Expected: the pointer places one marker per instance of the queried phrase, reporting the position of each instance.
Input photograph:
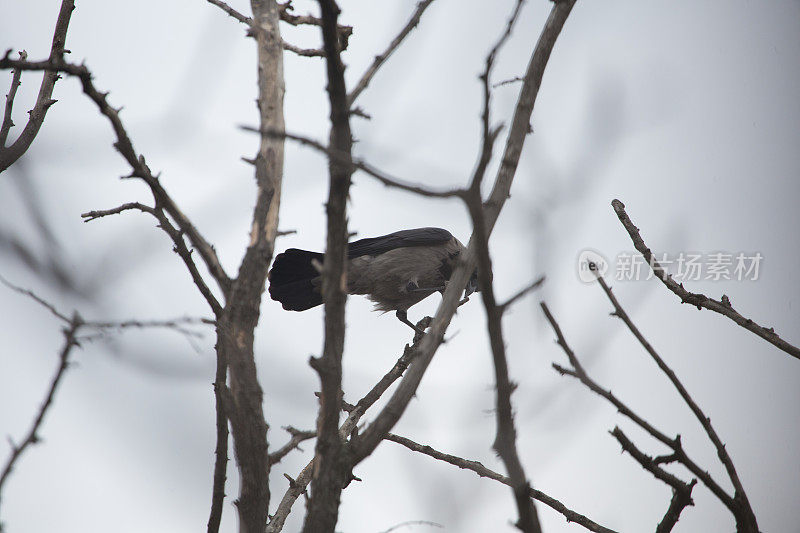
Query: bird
(395, 271)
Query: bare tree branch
(682, 492)
(9, 154)
(177, 239)
(8, 123)
(343, 32)
(396, 405)
(303, 52)
(362, 165)
(137, 162)
(298, 485)
(221, 393)
(94, 215)
(680, 500)
(298, 437)
(333, 468)
(172, 323)
(722, 307)
(47, 305)
(679, 454)
(746, 515)
(505, 438)
(482, 471)
(32, 438)
(648, 463)
(244, 402)
(520, 294)
(381, 59)
(231, 12)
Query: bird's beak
(472, 285)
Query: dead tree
(235, 300)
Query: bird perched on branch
(395, 271)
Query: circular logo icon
(591, 264)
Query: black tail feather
(290, 280)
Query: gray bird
(395, 271)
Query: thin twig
(140, 170)
(32, 438)
(344, 32)
(506, 434)
(360, 164)
(381, 58)
(298, 485)
(221, 393)
(94, 215)
(647, 462)
(9, 154)
(303, 52)
(298, 437)
(231, 12)
(8, 123)
(295, 20)
(521, 294)
(177, 238)
(740, 495)
(30, 294)
(674, 444)
(292, 19)
(682, 491)
(506, 82)
(722, 307)
(482, 471)
(171, 323)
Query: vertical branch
(32, 438)
(332, 471)
(397, 404)
(8, 123)
(520, 123)
(242, 309)
(505, 439)
(8, 155)
(221, 450)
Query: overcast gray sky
(686, 111)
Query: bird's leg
(413, 287)
(402, 316)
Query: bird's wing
(398, 239)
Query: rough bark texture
(240, 317)
(332, 470)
